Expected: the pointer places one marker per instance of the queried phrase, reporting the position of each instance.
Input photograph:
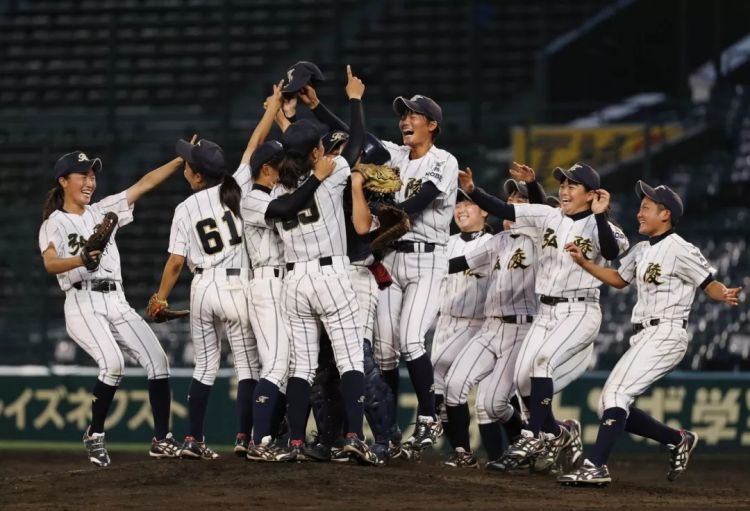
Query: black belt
(411, 246)
(100, 286)
(554, 300)
(323, 261)
(231, 272)
(638, 327)
(514, 319)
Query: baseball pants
(264, 304)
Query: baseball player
(508, 260)
(557, 348)
(418, 262)
(667, 271)
(462, 297)
(207, 234)
(97, 315)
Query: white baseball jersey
(207, 233)
(264, 245)
(668, 273)
(513, 260)
(319, 230)
(558, 275)
(244, 177)
(69, 232)
(463, 294)
(432, 225)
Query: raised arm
(152, 180)
(487, 202)
(354, 89)
(609, 276)
(721, 293)
(309, 97)
(607, 241)
(272, 106)
(361, 215)
(521, 172)
(286, 207)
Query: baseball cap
(263, 153)
(374, 151)
(579, 173)
(552, 201)
(301, 137)
(420, 104)
(333, 139)
(205, 156)
(663, 195)
(77, 161)
(299, 75)
(511, 185)
(462, 196)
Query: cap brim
(296, 84)
(462, 196)
(184, 150)
(509, 187)
(644, 190)
(561, 174)
(82, 166)
(401, 105)
(552, 201)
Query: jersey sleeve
(628, 263)
(49, 233)
(481, 258)
(244, 178)
(691, 266)
(117, 204)
(178, 234)
(254, 207)
(340, 174)
(532, 215)
(444, 173)
(622, 241)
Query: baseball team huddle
(322, 281)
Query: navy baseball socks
(353, 393)
(492, 439)
(458, 426)
(611, 427)
(102, 399)
(298, 405)
(642, 424)
(392, 377)
(423, 379)
(197, 404)
(245, 393)
(264, 402)
(160, 397)
(540, 407)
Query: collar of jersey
(262, 188)
(468, 236)
(656, 239)
(580, 215)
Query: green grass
(76, 446)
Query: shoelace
(97, 446)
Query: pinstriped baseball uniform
(266, 252)
(407, 308)
(102, 323)
(209, 236)
(490, 356)
(462, 306)
(318, 288)
(667, 271)
(562, 332)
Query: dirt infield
(64, 480)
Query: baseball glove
(159, 312)
(394, 223)
(379, 178)
(98, 241)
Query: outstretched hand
(732, 296)
(275, 100)
(354, 86)
(601, 201)
(521, 172)
(466, 180)
(308, 96)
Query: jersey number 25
(210, 237)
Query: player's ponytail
(54, 201)
(230, 194)
(292, 167)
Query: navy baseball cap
(299, 75)
(301, 137)
(579, 173)
(263, 154)
(463, 196)
(420, 104)
(552, 201)
(374, 151)
(205, 156)
(663, 195)
(77, 161)
(511, 185)
(333, 139)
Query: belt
(638, 327)
(231, 272)
(323, 261)
(413, 246)
(515, 319)
(100, 286)
(554, 300)
(266, 272)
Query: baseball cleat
(461, 459)
(546, 460)
(679, 455)
(572, 455)
(524, 448)
(359, 449)
(195, 450)
(426, 432)
(241, 444)
(507, 463)
(339, 455)
(169, 447)
(381, 452)
(316, 452)
(265, 451)
(96, 449)
(292, 452)
(588, 475)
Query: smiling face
(416, 129)
(574, 198)
(79, 187)
(653, 218)
(469, 217)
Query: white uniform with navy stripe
(407, 308)
(462, 306)
(667, 274)
(101, 322)
(560, 342)
(209, 236)
(317, 288)
(264, 292)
